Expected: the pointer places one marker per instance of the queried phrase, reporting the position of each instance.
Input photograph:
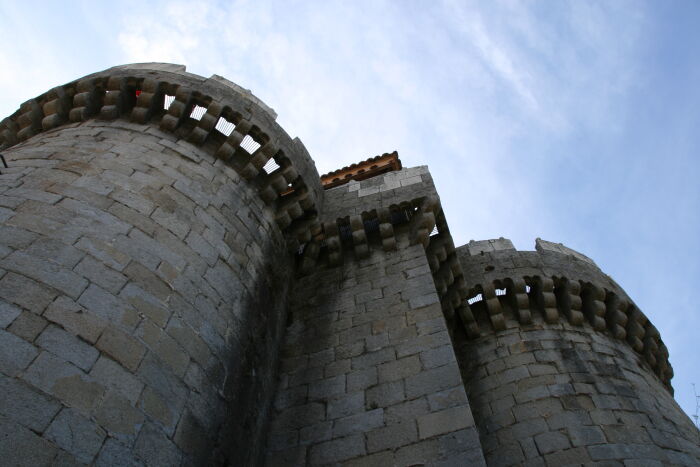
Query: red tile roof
(371, 167)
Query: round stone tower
(567, 370)
(147, 217)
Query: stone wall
(559, 394)
(566, 368)
(557, 284)
(139, 311)
(382, 191)
(369, 376)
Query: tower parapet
(557, 283)
(208, 113)
(566, 368)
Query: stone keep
(177, 288)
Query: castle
(178, 286)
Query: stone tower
(178, 286)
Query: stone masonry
(177, 288)
(368, 371)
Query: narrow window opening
(475, 298)
(198, 112)
(271, 166)
(224, 126)
(249, 144)
(434, 232)
(168, 101)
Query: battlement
(503, 244)
(209, 113)
(489, 258)
(555, 283)
(390, 190)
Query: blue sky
(576, 121)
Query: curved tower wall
(143, 271)
(567, 369)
